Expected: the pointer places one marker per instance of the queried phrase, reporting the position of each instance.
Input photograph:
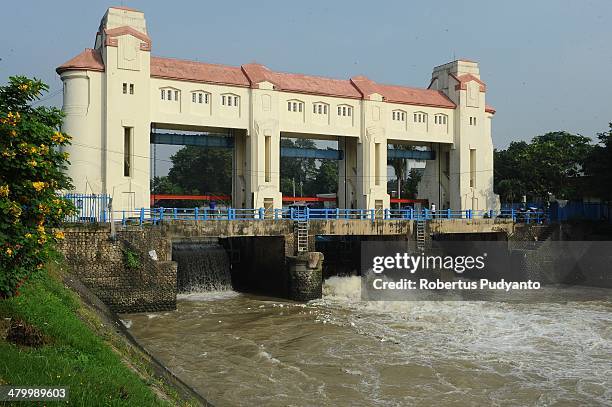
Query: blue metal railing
(89, 208)
(94, 208)
(155, 215)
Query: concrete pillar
(263, 165)
(372, 170)
(305, 276)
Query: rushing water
(201, 267)
(238, 349)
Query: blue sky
(547, 63)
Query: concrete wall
(99, 263)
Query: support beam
(411, 154)
(319, 153)
(201, 140)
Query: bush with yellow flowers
(31, 165)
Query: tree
(326, 180)
(31, 172)
(196, 170)
(400, 166)
(552, 163)
(599, 166)
(300, 170)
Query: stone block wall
(99, 262)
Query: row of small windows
(167, 94)
(420, 117)
(318, 108)
(439, 119)
(125, 88)
(400, 116)
(295, 106)
(345, 111)
(199, 97)
(229, 100)
(472, 121)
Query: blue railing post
(307, 213)
(141, 216)
(386, 213)
(426, 213)
(174, 213)
(123, 217)
(337, 213)
(448, 213)
(195, 213)
(261, 213)
(291, 213)
(231, 214)
(513, 213)
(373, 214)
(411, 213)
(204, 214)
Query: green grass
(80, 353)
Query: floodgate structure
(119, 100)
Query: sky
(546, 63)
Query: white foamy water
(342, 351)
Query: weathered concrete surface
(99, 262)
(305, 276)
(470, 226)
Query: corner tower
(461, 177)
(107, 106)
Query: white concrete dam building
(115, 92)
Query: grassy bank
(73, 348)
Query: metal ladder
(301, 231)
(420, 234)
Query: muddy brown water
(242, 350)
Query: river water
(242, 350)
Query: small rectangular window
(235, 100)
(289, 106)
(393, 115)
(193, 97)
(300, 107)
(131, 88)
(163, 94)
(206, 98)
(124, 88)
(200, 97)
(324, 109)
(320, 109)
(127, 151)
(176, 93)
(314, 109)
(339, 111)
(223, 100)
(403, 116)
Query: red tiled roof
(89, 60)
(489, 109)
(468, 77)
(170, 68)
(250, 75)
(298, 83)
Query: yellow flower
(4, 190)
(9, 251)
(13, 133)
(28, 235)
(38, 185)
(59, 234)
(58, 137)
(41, 229)
(24, 87)
(33, 150)
(32, 163)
